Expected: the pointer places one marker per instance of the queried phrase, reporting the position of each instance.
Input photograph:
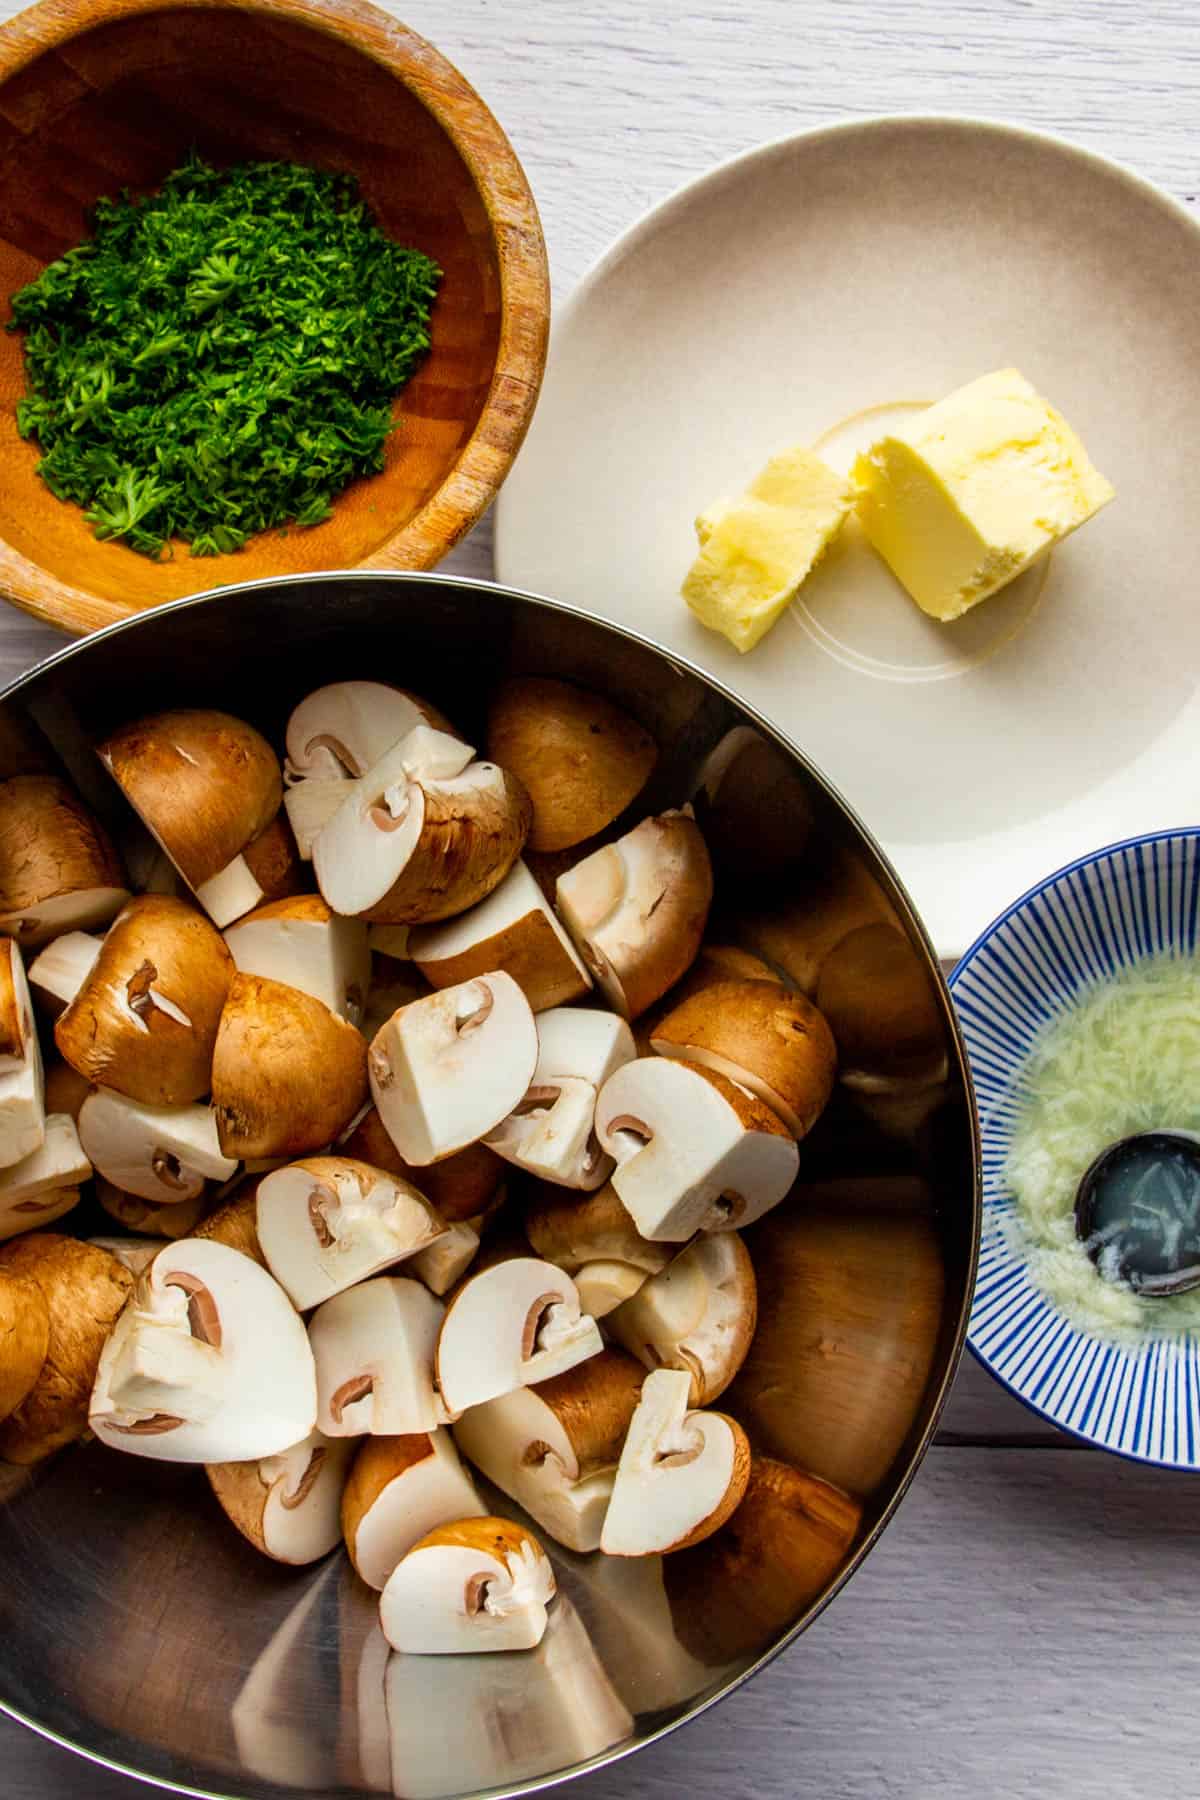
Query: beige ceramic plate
(809, 292)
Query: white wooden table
(1029, 1624)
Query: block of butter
(974, 490)
(757, 549)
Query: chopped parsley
(220, 358)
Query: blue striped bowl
(1091, 919)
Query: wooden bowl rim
(475, 477)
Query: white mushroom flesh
(605, 1285)
(341, 730)
(84, 910)
(693, 1314)
(163, 1154)
(327, 958)
(42, 1186)
(514, 1324)
(675, 1470)
(325, 1224)
(521, 1446)
(445, 1070)
(685, 1160)
(229, 893)
(446, 1599)
(552, 1131)
(431, 1492)
(374, 1348)
(309, 806)
(302, 1516)
(444, 1262)
(22, 1105)
(59, 971)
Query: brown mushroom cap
(837, 894)
(274, 860)
(469, 841)
(84, 1289)
(757, 1033)
(117, 1034)
(880, 1002)
(461, 1186)
(582, 759)
(849, 1309)
(143, 1216)
(287, 1074)
(24, 1338)
(15, 1022)
(205, 783)
(260, 1498)
(236, 1222)
(594, 1402)
(570, 1230)
(51, 847)
(732, 1595)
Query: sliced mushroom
(514, 929)
(45, 1184)
(418, 839)
(513, 1324)
(680, 1476)
(460, 1186)
(133, 1253)
(287, 1074)
(554, 1448)
(24, 1338)
(65, 1089)
(597, 1243)
(698, 1315)
(732, 1596)
(694, 1151)
(330, 1221)
(766, 1039)
(209, 1362)
(637, 909)
(374, 1347)
(58, 871)
(273, 861)
(206, 786)
(551, 1132)
(755, 807)
(22, 1102)
(301, 943)
(84, 1289)
(399, 1489)
(477, 1584)
(444, 1071)
(163, 1154)
(235, 1223)
(442, 1264)
(16, 1021)
(288, 1505)
(309, 807)
(144, 1021)
(582, 759)
(57, 973)
(146, 1216)
(340, 731)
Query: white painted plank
(1026, 1628)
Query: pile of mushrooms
(435, 1176)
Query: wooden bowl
(96, 95)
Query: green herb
(220, 358)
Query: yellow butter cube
(757, 549)
(974, 490)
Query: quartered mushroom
(335, 735)
(554, 1448)
(731, 1596)
(596, 1242)
(330, 1221)
(398, 1489)
(288, 1505)
(133, 1253)
(136, 1214)
(287, 1073)
(637, 909)
(45, 1184)
(162, 1154)
(209, 1362)
(84, 1289)
(144, 1019)
(444, 1071)
(444, 1262)
(58, 870)
(57, 972)
(424, 834)
(698, 1314)
(274, 862)
(205, 785)
(476, 1584)
(514, 929)
(582, 759)
(22, 1091)
(681, 1472)
(25, 1335)
(694, 1151)
(461, 1186)
(374, 1348)
(767, 1039)
(301, 942)
(510, 1325)
(551, 1132)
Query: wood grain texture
(99, 94)
(1028, 1591)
